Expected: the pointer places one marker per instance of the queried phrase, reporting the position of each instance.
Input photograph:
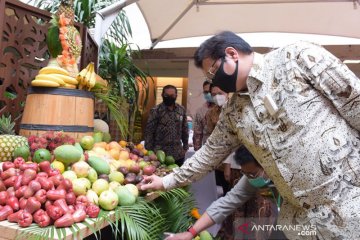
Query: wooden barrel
(58, 109)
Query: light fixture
(351, 61)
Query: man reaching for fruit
(297, 111)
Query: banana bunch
(87, 77)
(53, 76)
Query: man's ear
(231, 53)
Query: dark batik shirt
(167, 130)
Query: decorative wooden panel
(23, 51)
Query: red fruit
(65, 221)
(56, 179)
(71, 209)
(80, 206)
(17, 183)
(70, 198)
(54, 212)
(48, 203)
(61, 203)
(92, 210)
(18, 162)
(41, 174)
(10, 182)
(41, 196)
(8, 173)
(3, 197)
(25, 219)
(25, 166)
(7, 165)
(20, 192)
(65, 184)
(35, 185)
(54, 172)
(5, 212)
(14, 217)
(2, 186)
(45, 183)
(82, 200)
(11, 192)
(28, 175)
(79, 215)
(22, 202)
(13, 202)
(56, 194)
(28, 192)
(32, 205)
(45, 166)
(41, 218)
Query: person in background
(201, 132)
(297, 110)
(258, 186)
(167, 127)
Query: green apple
(86, 182)
(79, 187)
(92, 197)
(117, 177)
(81, 169)
(108, 200)
(113, 185)
(92, 175)
(100, 186)
(71, 175)
(133, 189)
(87, 142)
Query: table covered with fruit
(55, 187)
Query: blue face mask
(259, 182)
(190, 125)
(208, 98)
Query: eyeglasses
(210, 74)
(251, 175)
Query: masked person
(297, 110)
(167, 127)
(201, 131)
(261, 191)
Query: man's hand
(153, 183)
(180, 236)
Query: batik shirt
(300, 120)
(167, 130)
(201, 130)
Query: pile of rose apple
(32, 192)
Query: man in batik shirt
(167, 127)
(297, 110)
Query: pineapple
(8, 141)
(67, 7)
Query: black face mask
(225, 82)
(169, 101)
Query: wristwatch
(192, 230)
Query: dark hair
(243, 156)
(168, 87)
(205, 83)
(215, 47)
(211, 87)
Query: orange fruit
(123, 143)
(140, 146)
(114, 153)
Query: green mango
(169, 160)
(67, 154)
(99, 164)
(98, 137)
(106, 137)
(150, 152)
(160, 154)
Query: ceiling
(174, 62)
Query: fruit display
(32, 192)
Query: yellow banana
(72, 86)
(44, 83)
(51, 77)
(50, 70)
(81, 76)
(88, 74)
(67, 79)
(92, 80)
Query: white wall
(195, 97)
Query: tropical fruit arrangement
(52, 179)
(65, 45)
